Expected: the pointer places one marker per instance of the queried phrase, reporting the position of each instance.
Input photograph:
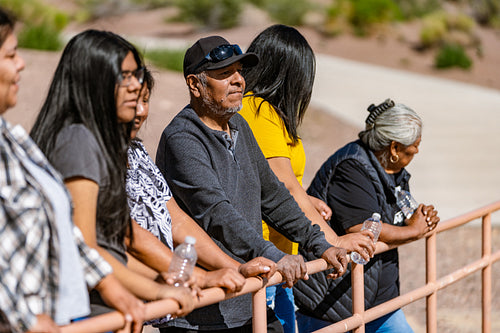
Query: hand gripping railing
(157, 309)
(114, 320)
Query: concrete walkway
(457, 168)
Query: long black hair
(7, 22)
(83, 91)
(284, 76)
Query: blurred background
(442, 58)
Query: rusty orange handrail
(114, 320)
(429, 290)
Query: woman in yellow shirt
(278, 91)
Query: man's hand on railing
(337, 258)
(292, 268)
(360, 242)
(116, 296)
(259, 266)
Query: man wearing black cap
(220, 177)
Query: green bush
(42, 24)
(35, 12)
(433, 29)
(446, 28)
(214, 14)
(39, 37)
(366, 13)
(167, 59)
(363, 15)
(452, 55)
(460, 22)
(417, 8)
(153, 3)
(289, 12)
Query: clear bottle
(374, 225)
(406, 203)
(183, 262)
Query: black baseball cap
(215, 52)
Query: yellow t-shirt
(274, 141)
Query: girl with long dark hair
(278, 92)
(84, 129)
(45, 265)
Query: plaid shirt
(29, 245)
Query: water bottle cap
(190, 240)
(376, 216)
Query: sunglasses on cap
(219, 54)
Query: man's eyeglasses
(126, 78)
(220, 53)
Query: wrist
(201, 278)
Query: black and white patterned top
(148, 194)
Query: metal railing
(114, 320)
(430, 289)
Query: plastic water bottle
(183, 262)
(406, 203)
(374, 225)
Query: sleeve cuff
(321, 247)
(273, 253)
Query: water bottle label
(405, 202)
(356, 257)
(399, 218)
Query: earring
(394, 158)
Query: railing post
(486, 275)
(259, 308)
(358, 294)
(431, 300)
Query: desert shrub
(42, 24)
(441, 27)
(336, 20)
(167, 58)
(452, 55)
(289, 12)
(39, 37)
(460, 22)
(417, 8)
(486, 12)
(95, 9)
(433, 29)
(213, 14)
(153, 3)
(367, 13)
(363, 15)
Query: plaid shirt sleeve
(20, 243)
(95, 268)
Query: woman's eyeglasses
(126, 78)
(220, 53)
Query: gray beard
(218, 110)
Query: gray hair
(202, 77)
(399, 123)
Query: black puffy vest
(328, 299)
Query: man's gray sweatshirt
(226, 185)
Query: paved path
(457, 168)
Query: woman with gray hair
(362, 178)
